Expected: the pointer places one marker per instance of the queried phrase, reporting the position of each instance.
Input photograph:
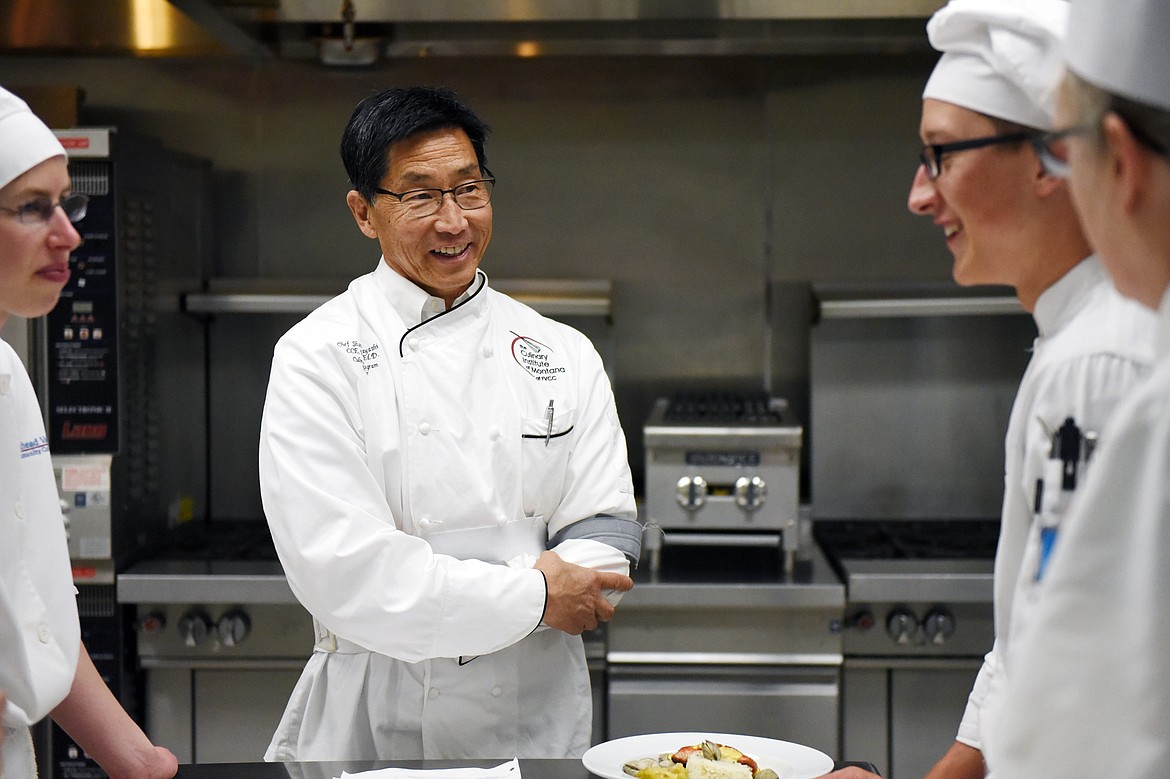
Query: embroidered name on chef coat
(365, 356)
(536, 358)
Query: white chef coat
(39, 632)
(1089, 694)
(391, 452)
(1093, 347)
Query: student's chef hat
(25, 141)
(1003, 58)
(1122, 46)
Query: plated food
(705, 760)
(789, 760)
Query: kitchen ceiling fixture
(368, 30)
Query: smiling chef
(444, 475)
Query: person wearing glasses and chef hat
(44, 667)
(1089, 693)
(1007, 220)
(444, 475)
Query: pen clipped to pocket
(1064, 471)
(555, 421)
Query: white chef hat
(1122, 46)
(25, 141)
(1003, 58)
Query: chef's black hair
(395, 114)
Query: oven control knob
(691, 492)
(233, 627)
(750, 493)
(194, 627)
(901, 624)
(939, 624)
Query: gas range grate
(909, 539)
(728, 408)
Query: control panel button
(691, 492)
(152, 624)
(194, 627)
(750, 493)
(233, 627)
(939, 624)
(901, 625)
(861, 620)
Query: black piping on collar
(478, 275)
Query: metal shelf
(915, 307)
(551, 297)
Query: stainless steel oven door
(902, 714)
(792, 703)
(218, 712)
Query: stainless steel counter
(731, 581)
(200, 581)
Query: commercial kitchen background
(710, 190)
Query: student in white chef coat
(1090, 694)
(1007, 220)
(426, 441)
(44, 668)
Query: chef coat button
(433, 693)
(43, 633)
(494, 434)
(424, 427)
(488, 351)
(4, 382)
(412, 343)
(501, 520)
(425, 524)
(18, 509)
(497, 691)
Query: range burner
(726, 408)
(927, 539)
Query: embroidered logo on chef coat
(365, 356)
(536, 358)
(38, 445)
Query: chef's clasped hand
(576, 601)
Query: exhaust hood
(365, 31)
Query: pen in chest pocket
(1063, 471)
(548, 431)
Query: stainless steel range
(917, 622)
(910, 393)
(222, 641)
(723, 469)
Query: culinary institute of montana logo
(536, 358)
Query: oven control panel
(168, 632)
(959, 629)
(722, 462)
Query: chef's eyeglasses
(41, 210)
(932, 154)
(1052, 149)
(469, 196)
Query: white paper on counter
(508, 770)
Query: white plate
(790, 761)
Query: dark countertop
(529, 769)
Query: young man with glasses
(1090, 690)
(426, 442)
(1006, 220)
(44, 667)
